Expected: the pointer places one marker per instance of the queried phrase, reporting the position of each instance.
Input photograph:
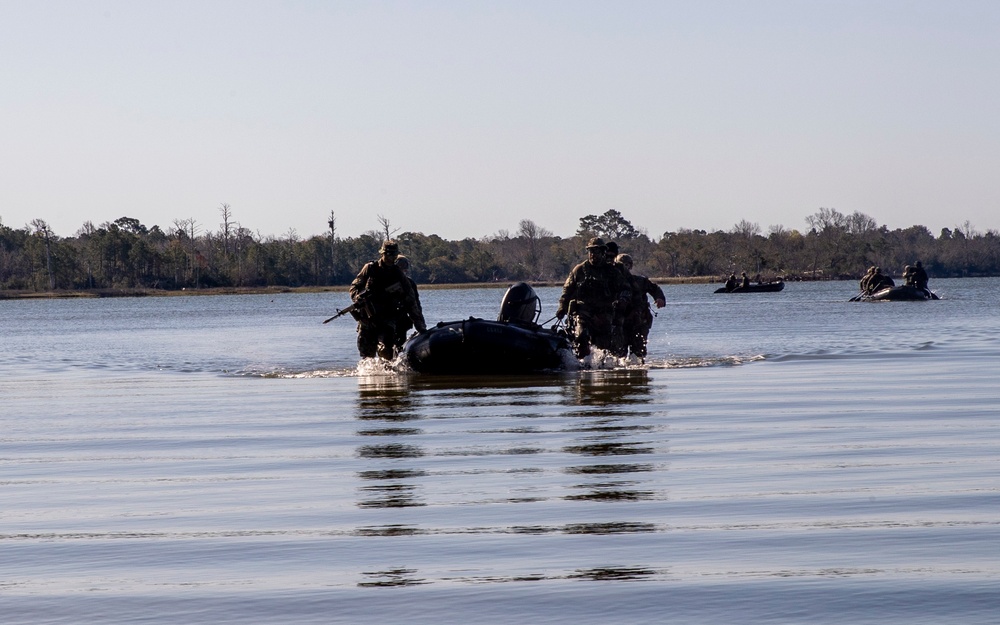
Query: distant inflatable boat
(765, 287)
(904, 293)
(514, 343)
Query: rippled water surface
(780, 458)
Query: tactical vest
(597, 287)
(385, 286)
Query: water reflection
(392, 577)
(390, 496)
(390, 474)
(595, 425)
(476, 384)
(605, 469)
(595, 529)
(613, 429)
(600, 447)
(391, 450)
(617, 527)
(628, 573)
(596, 387)
(390, 530)
(385, 398)
(615, 388)
(383, 403)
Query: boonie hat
(597, 243)
(389, 247)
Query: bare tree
(827, 218)
(188, 230)
(332, 222)
(532, 234)
(861, 224)
(227, 227)
(747, 250)
(42, 229)
(746, 229)
(384, 222)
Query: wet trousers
(377, 338)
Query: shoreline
(274, 290)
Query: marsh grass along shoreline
(274, 290)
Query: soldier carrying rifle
(382, 294)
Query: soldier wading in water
(594, 290)
(383, 293)
(638, 317)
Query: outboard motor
(520, 303)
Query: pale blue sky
(461, 118)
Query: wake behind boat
(514, 343)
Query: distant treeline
(126, 254)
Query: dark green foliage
(127, 254)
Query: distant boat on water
(761, 287)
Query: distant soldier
(866, 281)
(591, 294)
(920, 278)
(381, 290)
(638, 317)
(879, 281)
(731, 282)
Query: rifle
(363, 308)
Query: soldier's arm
(411, 301)
(569, 289)
(656, 292)
(360, 283)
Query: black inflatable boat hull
(902, 293)
(481, 346)
(769, 287)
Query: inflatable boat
(514, 343)
(765, 287)
(904, 293)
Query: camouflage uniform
(920, 278)
(591, 294)
(388, 292)
(638, 318)
(866, 281)
(403, 322)
(879, 281)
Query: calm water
(781, 458)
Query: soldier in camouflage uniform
(403, 322)
(638, 318)
(382, 290)
(592, 293)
